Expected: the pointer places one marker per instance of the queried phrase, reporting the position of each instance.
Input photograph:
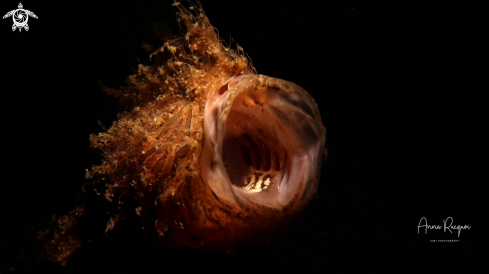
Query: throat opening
(254, 160)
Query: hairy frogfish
(210, 155)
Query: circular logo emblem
(20, 17)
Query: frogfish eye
(263, 143)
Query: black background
(399, 93)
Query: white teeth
(258, 185)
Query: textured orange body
(160, 161)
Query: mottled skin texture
(152, 152)
(151, 167)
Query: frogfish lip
(263, 141)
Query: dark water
(377, 93)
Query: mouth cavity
(263, 143)
(253, 162)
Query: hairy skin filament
(210, 155)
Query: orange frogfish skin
(210, 155)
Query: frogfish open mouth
(209, 155)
